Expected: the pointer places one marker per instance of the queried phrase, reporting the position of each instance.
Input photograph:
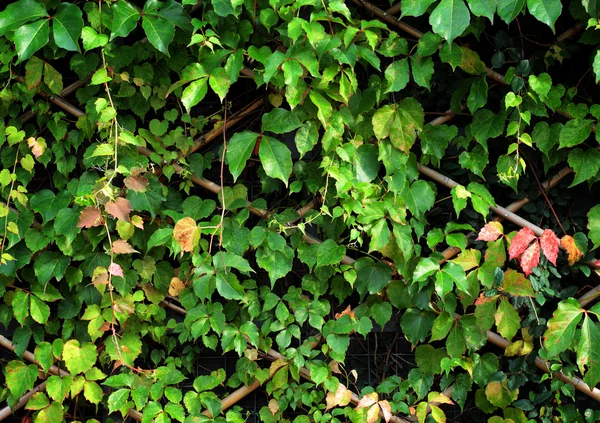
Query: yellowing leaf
(122, 247)
(186, 234)
(568, 244)
(368, 400)
(340, 398)
(176, 286)
(38, 146)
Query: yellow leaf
(186, 234)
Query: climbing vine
(282, 180)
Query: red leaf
(520, 242)
(549, 242)
(490, 232)
(119, 209)
(568, 243)
(115, 270)
(530, 258)
(136, 183)
(90, 217)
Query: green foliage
(277, 170)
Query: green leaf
(397, 76)
(91, 39)
(194, 93)
(125, 17)
(276, 263)
(487, 124)
(415, 7)
(422, 70)
(223, 8)
(426, 267)
(229, 287)
(509, 9)
(30, 38)
(419, 198)
(18, 13)
(561, 327)
(50, 264)
(594, 225)
(585, 164)
(477, 95)
(239, 149)
(435, 139)
(43, 354)
(485, 8)
(20, 305)
(148, 200)
(48, 204)
(428, 44)
(441, 326)
(588, 353)
(20, 377)
(329, 253)
(92, 392)
(366, 162)
(416, 325)
(596, 66)
(39, 310)
(281, 121)
(574, 132)
(450, 19)
(455, 343)
(100, 77)
(130, 347)
(219, 82)
(276, 158)
(38, 401)
(508, 321)
(499, 394)
(324, 109)
(371, 276)
(546, 11)
(67, 24)
(160, 32)
(79, 358)
(516, 284)
(428, 359)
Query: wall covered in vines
(288, 182)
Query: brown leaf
(530, 258)
(186, 234)
(568, 243)
(115, 270)
(549, 242)
(335, 367)
(490, 232)
(136, 183)
(341, 397)
(119, 209)
(175, 287)
(122, 247)
(100, 276)
(90, 217)
(520, 242)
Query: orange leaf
(348, 311)
(549, 242)
(490, 232)
(90, 217)
(186, 234)
(568, 243)
(136, 183)
(122, 247)
(119, 209)
(530, 258)
(520, 242)
(341, 397)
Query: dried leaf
(368, 400)
(341, 397)
(37, 145)
(90, 217)
(335, 367)
(136, 183)
(520, 242)
(175, 287)
(568, 243)
(115, 270)
(386, 409)
(273, 406)
(490, 232)
(348, 311)
(530, 258)
(186, 234)
(119, 209)
(122, 247)
(549, 242)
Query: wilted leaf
(490, 232)
(90, 217)
(122, 247)
(549, 243)
(520, 242)
(568, 243)
(186, 234)
(119, 209)
(530, 258)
